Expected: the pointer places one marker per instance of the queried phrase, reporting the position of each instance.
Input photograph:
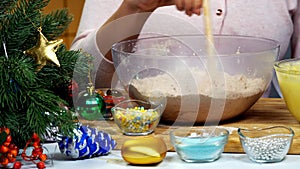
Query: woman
(105, 22)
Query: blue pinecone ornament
(87, 143)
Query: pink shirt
(276, 19)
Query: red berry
(35, 137)
(11, 158)
(43, 157)
(40, 165)
(6, 143)
(4, 161)
(6, 130)
(14, 152)
(17, 165)
(13, 147)
(8, 138)
(3, 149)
(37, 151)
(36, 144)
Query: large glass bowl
(288, 75)
(200, 82)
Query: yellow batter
(288, 74)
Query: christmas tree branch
(34, 101)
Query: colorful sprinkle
(137, 119)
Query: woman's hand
(189, 6)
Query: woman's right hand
(189, 6)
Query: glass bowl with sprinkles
(137, 117)
(266, 145)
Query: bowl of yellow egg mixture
(288, 75)
(199, 83)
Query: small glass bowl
(137, 117)
(197, 145)
(266, 145)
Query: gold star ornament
(44, 51)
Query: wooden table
(266, 112)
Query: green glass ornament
(91, 105)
